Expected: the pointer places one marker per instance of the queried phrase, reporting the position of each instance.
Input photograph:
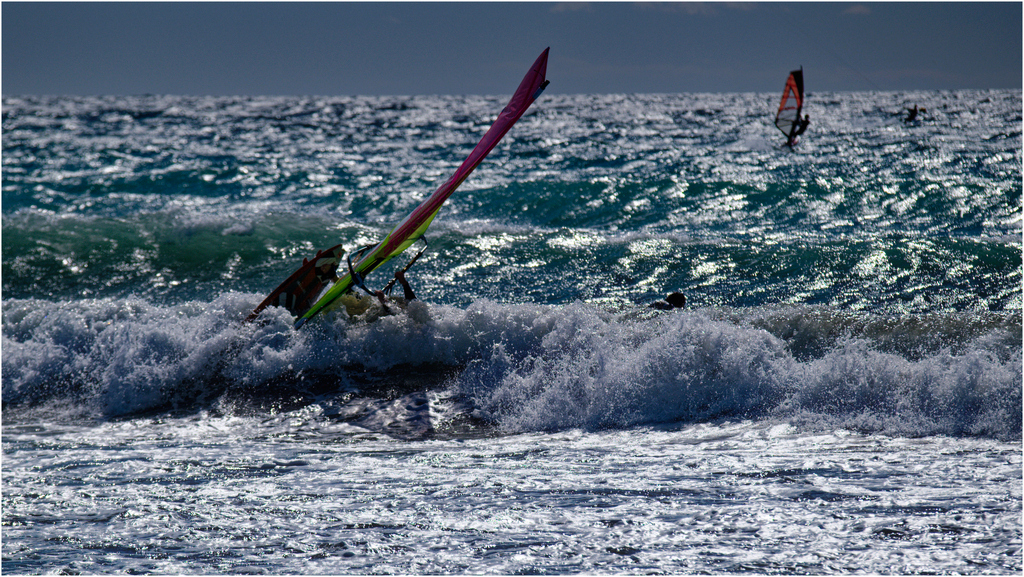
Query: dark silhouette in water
(798, 128)
(673, 301)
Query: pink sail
(412, 228)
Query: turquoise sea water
(848, 363)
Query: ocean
(840, 394)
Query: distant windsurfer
(674, 300)
(799, 127)
(912, 113)
(787, 118)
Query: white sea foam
(527, 367)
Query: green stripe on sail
(346, 282)
(414, 237)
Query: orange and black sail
(787, 119)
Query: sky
(420, 48)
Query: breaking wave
(515, 368)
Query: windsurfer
(364, 307)
(803, 125)
(799, 127)
(912, 113)
(787, 119)
(416, 223)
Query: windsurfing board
(299, 290)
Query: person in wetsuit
(803, 125)
(675, 300)
(799, 126)
(357, 304)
